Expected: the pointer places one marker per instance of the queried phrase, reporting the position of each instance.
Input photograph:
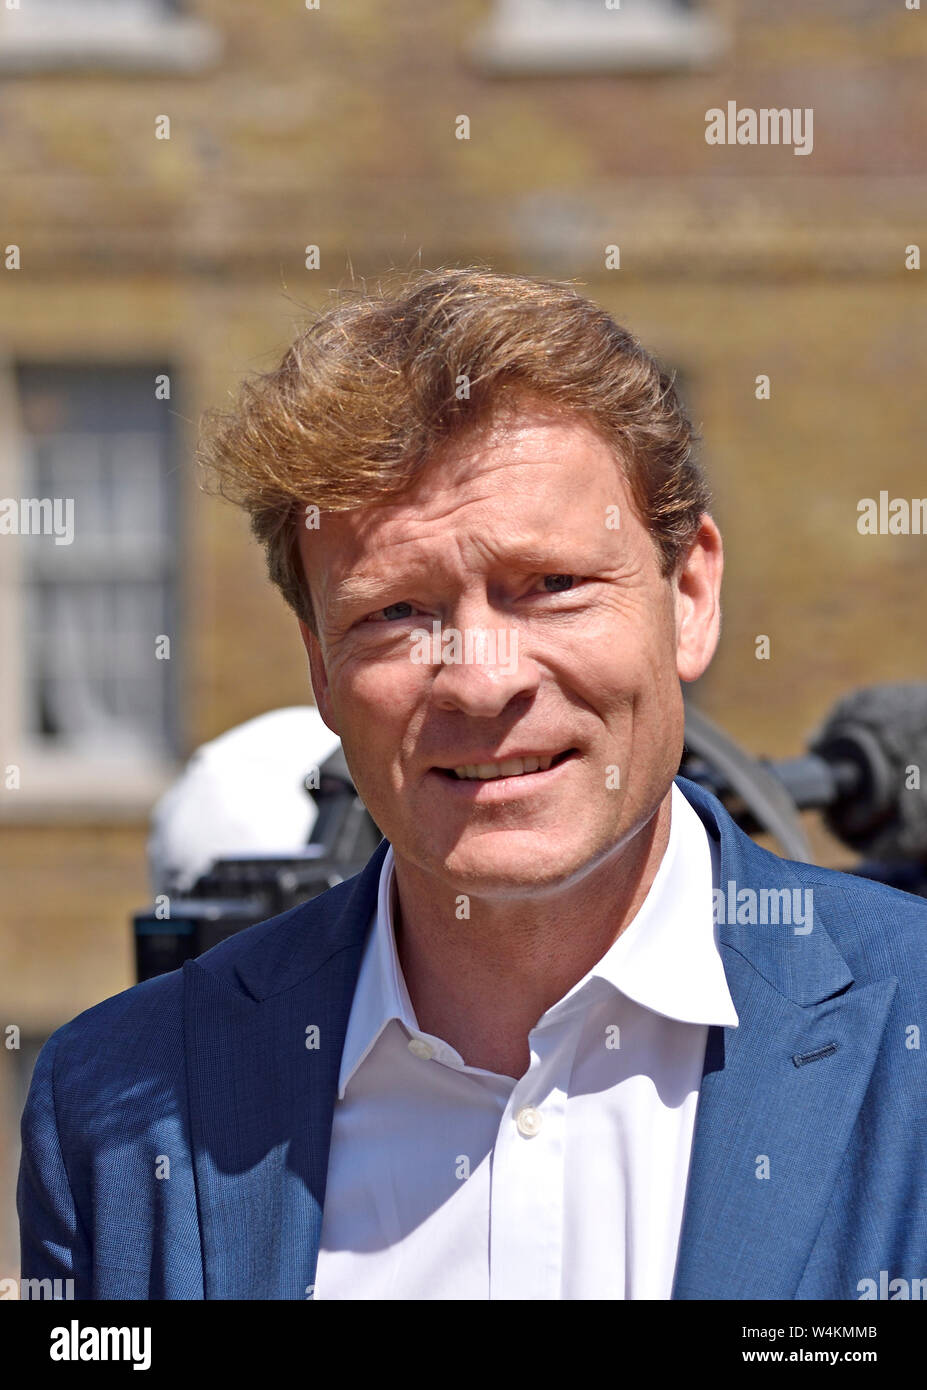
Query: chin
(540, 863)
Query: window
(152, 34)
(97, 11)
(564, 36)
(92, 565)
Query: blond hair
(366, 394)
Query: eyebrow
(358, 589)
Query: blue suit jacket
(207, 1070)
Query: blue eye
(392, 610)
(557, 587)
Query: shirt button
(529, 1120)
(419, 1048)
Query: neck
(481, 984)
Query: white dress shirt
(451, 1182)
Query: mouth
(511, 770)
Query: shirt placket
(527, 1178)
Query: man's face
(527, 532)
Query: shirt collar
(666, 959)
(381, 993)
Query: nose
(480, 665)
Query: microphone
(865, 770)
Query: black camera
(239, 890)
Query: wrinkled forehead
(531, 489)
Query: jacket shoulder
(153, 1004)
(880, 930)
(154, 1007)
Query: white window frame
(136, 35)
(560, 37)
(53, 783)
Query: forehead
(528, 481)
(519, 456)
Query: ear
(697, 596)
(318, 676)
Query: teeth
(515, 767)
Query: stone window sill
(173, 44)
(528, 37)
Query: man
(522, 1054)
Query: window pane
(97, 595)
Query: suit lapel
(780, 1093)
(261, 1100)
